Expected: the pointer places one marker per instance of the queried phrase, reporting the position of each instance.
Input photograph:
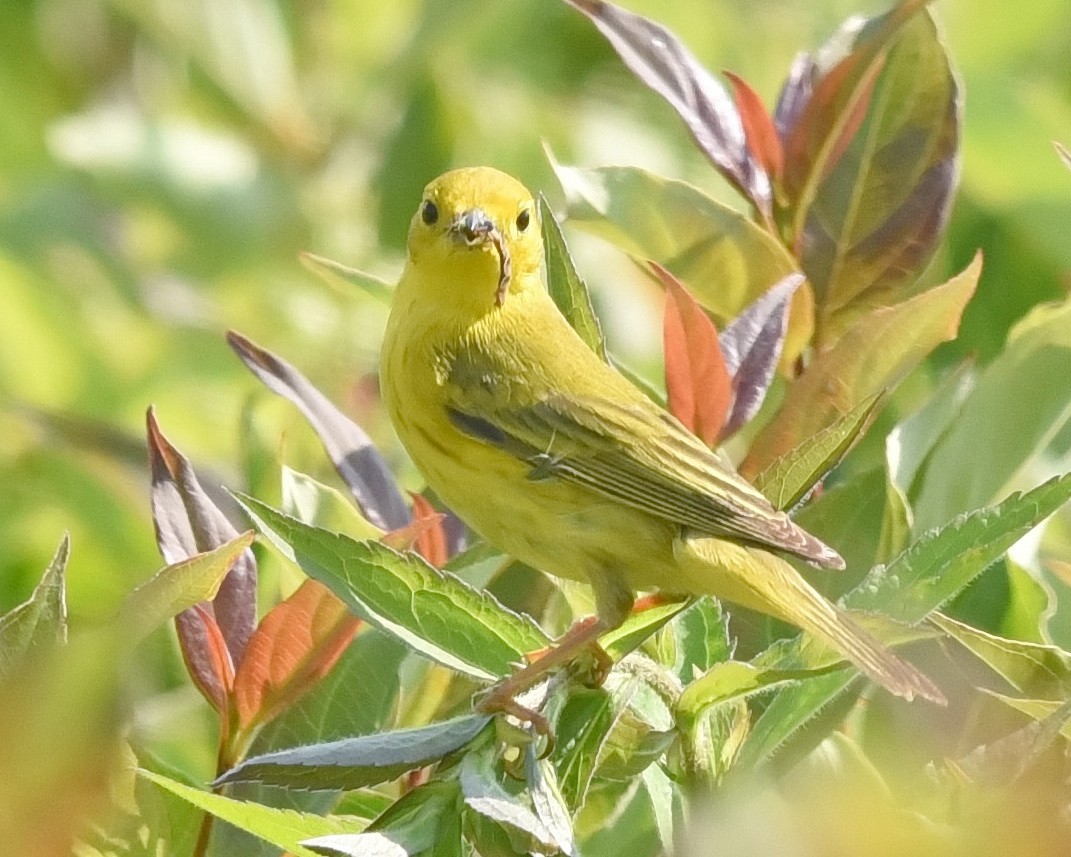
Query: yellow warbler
(557, 459)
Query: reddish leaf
(759, 131)
(295, 646)
(187, 522)
(431, 542)
(207, 658)
(697, 383)
(662, 62)
(426, 534)
(350, 449)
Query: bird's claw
(498, 702)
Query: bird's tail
(766, 583)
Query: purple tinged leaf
(187, 522)
(350, 449)
(795, 94)
(751, 345)
(664, 64)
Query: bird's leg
(502, 697)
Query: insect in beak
(474, 227)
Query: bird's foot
(500, 700)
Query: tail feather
(764, 582)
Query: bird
(554, 457)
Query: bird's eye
(522, 220)
(429, 213)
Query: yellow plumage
(556, 458)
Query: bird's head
(475, 236)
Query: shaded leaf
(794, 95)
(283, 828)
(874, 355)
(1034, 669)
(338, 276)
(703, 637)
(580, 732)
(483, 790)
(726, 260)
(663, 63)
(763, 142)
(353, 763)
(350, 449)
(564, 284)
(786, 480)
(752, 344)
(187, 522)
(698, 388)
(1019, 403)
(296, 644)
(880, 166)
(1003, 762)
(40, 623)
(181, 585)
(433, 611)
(1041, 710)
(205, 653)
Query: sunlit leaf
(663, 63)
(703, 637)
(337, 275)
(763, 143)
(752, 344)
(187, 522)
(39, 623)
(697, 383)
(313, 502)
(295, 645)
(787, 479)
(206, 656)
(1064, 154)
(725, 259)
(350, 449)
(548, 803)
(639, 626)
(283, 828)
(353, 763)
(433, 611)
(181, 585)
(415, 824)
(564, 284)
(874, 355)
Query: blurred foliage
(162, 165)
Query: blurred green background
(163, 162)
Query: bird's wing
(639, 455)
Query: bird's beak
(472, 227)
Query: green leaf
(1019, 404)
(580, 733)
(353, 763)
(41, 622)
(416, 823)
(341, 277)
(724, 259)
(485, 791)
(566, 287)
(703, 637)
(283, 828)
(179, 586)
(942, 562)
(548, 803)
(875, 205)
(433, 611)
(879, 350)
(628, 636)
(1041, 710)
(788, 478)
(1002, 763)
(319, 505)
(1034, 669)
